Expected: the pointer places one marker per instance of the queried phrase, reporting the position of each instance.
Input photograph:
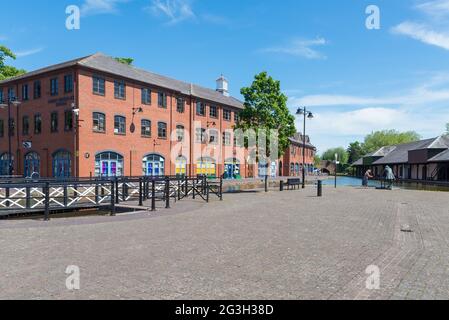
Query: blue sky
(355, 80)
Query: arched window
(32, 164)
(181, 166)
(297, 169)
(108, 164)
(232, 169)
(153, 165)
(292, 169)
(207, 167)
(4, 164)
(62, 164)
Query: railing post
(47, 201)
(113, 185)
(281, 186)
(124, 190)
(207, 192)
(140, 192)
(97, 199)
(153, 195)
(186, 187)
(266, 183)
(66, 196)
(167, 193)
(7, 194)
(194, 188)
(28, 197)
(179, 189)
(117, 194)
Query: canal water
(356, 182)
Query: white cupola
(223, 86)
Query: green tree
(379, 139)
(128, 61)
(265, 109)
(329, 155)
(355, 152)
(317, 161)
(6, 71)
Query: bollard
(266, 183)
(281, 186)
(221, 188)
(320, 188)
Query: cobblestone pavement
(288, 245)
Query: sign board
(27, 144)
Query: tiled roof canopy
(103, 63)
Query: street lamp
(16, 103)
(307, 115)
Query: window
(213, 112)
(213, 137)
(146, 128)
(200, 109)
(62, 164)
(119, 90)
(68, 83)
(37, 89)
(162, 130)
(206, 166)
(54, 122)
(236, 117)
(12, 127)
(200, 135)
(68, 120)
(181, 166)
(119, 125)
(227, 115)
(37, 124)
(25, 125)
(109, 164)
(6, 164)
(153, 165)
(226, 138)
(1, 96)
(99, 122)
(25, 95)
(11, 94)
(98, 85)
(180, 133)
(162, 100)
(2, 128)
(54, 86)
(180, 105)
(146, 96)
(32, 164)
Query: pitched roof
(400, 153)
(103, 63)
(442, 157)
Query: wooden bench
(293, 183)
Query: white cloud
(438, 8)
(340, 119)
(301, 48)
(92, 7)
(26, 53)
(423, 33)
(174, 10)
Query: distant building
(291, 163)
(421, 160)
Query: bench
(293, 183)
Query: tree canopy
(265, 109)
(128, 61)
(379, 139)
(355, 151)
(329, 155)
(7, 71)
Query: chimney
(223, 86)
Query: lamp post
(336, 166)
(307, 115)
(75, 125)
(11, 101)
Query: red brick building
(292, 161)
(95, 116)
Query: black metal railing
(18, 195)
